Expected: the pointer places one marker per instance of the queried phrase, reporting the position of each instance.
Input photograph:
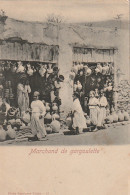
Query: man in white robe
(79, 121)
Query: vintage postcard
(64, 97)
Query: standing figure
(23, 89)
(94, 109)
(79, 121)
(37, 118)
(102, 113)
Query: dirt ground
(118, 135)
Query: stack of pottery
(47, 117)
(123, 96)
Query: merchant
(37, 118)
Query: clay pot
(109, 88)
(78, 65)
(104, 70)
(54, 107)
(12, 121)
(50, 70)
(97, 70)
(81, 73)
(69, 121)
(99, 67)
(107, 69)
(79, 86)
(120, 116)
(115, 117)
(109, 119)
(55, 116)
(3, 134)
(11, 134)
(48, 118)
(57, 85)
(48, 129)
(88, 121)
(88, 71)
(126, 116)
(75, 87)
(55, 126)
(81, 66)
(42, 71)
(30, 71)
(47, 107)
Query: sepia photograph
(64, 73)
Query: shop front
(94, 69)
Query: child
(94, 109)
(79, 121)
(102, 113)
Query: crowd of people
(30, 98)
(97, 108)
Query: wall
(65, 35)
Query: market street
(110, 136)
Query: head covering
(55, 69)
(61, 78)
(36, 93)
